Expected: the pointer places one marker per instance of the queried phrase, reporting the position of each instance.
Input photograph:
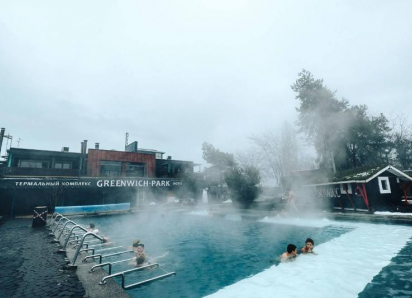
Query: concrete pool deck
(31, 266)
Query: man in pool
(309, 245)
(92, 228)
(290, 254)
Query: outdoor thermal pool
(230, 257)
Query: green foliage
(320, 115)
(243, 183)
(344, 134)
(403, 147)
(367, 139)
(217, 158)
(220, 162)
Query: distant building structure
(111, 163)
(169, 168)
(382, 188)
(30, 178)
(42, 163)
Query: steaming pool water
(231, 257)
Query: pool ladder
(137, 284)
(54, 227)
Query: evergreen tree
(320, 116)
(344, 136)
(243, 183)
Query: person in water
(141, 258)
(309, 245)
(92, 228)
(291, 202)
(290, 254)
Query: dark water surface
(394, 280)
(207, 253)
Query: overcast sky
(174, 74)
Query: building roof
(174, 161)
(359, 175)
(42, 152)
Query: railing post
(80, 245)
(58, 223)
(68, 237)
(67, 222)
(53, 217)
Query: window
(159, 155)
(110, 168)
(134, 169)
(63, 165)
(177, 169)
(345, 187)
(33, 164)
(384, 186)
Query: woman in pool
(141, 258)
(309, 245)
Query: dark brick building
(110, 163)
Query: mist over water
(206, 252)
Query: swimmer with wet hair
(290, 254)
(92, 228)
(141, 258)
(309, 245)
(134, 245)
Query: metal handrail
(53, 219)
(109, 248)
(71, 231)
(86, 243)
(56, 215)
(58, 223)
(81, 244)
(67, 222)
(77, 240)
(87, 249)
(104, 256)
(122, 274)
(53, 223)
(109, 264)
(100, 244)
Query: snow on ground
(392, 213)
(315, 223)
(342, 267)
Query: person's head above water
(309, 244)
(136, 242)
(309, 240)
(139, 248)
(92, 225)
(291, 248)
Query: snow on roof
(359, 175)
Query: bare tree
(401, 140)
(281, 152)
